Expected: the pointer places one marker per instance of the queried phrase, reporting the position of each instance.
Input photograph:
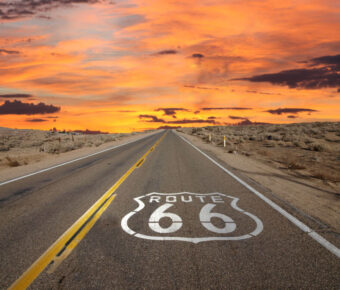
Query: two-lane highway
(177, 220)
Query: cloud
(6, 51)
(225, 108)
(327, 60)
(22, 8)
(151, 118)
(325, 76)
(197, 112)
(170, 111)
(262, 93)
(19, 108)
(200, 88)
(248, 122)
(155, 119)
(126, 111)
(197, 55)
(168, 51)
(169, 127)
(15, 96)
(237, 118)
(291, 117)
(193, 121)
(280, 111)
(36, 120)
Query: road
(173, 219)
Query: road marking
(141, 162)
(164, 205)
(322, 241)
(63, 246)
(71, 161)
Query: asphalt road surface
(172, 220)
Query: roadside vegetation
(21, 147)
(310, 150)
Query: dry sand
(298, 163)
(26, 151)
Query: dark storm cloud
(192, 121)
(327, 60)
(280, 111)
(22, 8)
(6, 51)
(19, 108)
(155, 119)
(225, 108)
(170, 111)
(326, 75)
(36, 120)
(168, 51)
(237, 118)
(197, 55)
(151, 118)
(15, 96)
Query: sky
(121, 66)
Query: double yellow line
(63, 246)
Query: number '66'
(205, 217)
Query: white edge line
(73, 160)
(322, 241)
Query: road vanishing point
(157, 213)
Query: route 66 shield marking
(190, 217)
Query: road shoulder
(309, 199)
(50, 160)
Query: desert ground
(299, 163)
(25, 151)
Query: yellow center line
(63, 246)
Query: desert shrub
(12, 162)
(269, 144)
(276, 137)
(329, 175)
(299, 144)
(4, 148)
(98, 143)
(79, 143)
(259, 137)
(308, 140)
(318, 147)
(31, 143)
(51, 147)
(109, 138)
(66, 146)
(196, 130)
(292, 164)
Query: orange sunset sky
(119, 66)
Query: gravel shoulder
(31, 158)
(314, 197)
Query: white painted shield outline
(141, 205)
